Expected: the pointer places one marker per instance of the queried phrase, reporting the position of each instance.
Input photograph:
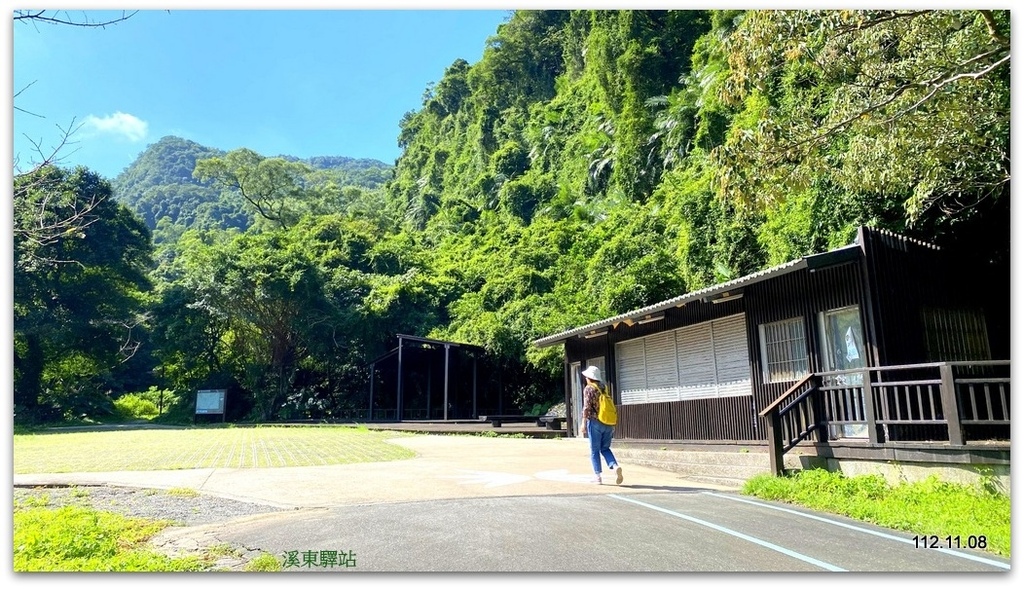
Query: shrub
(134, 406)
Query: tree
(64, 17)
(902, 103)
(272, 186)
(188, 339)
(269, 292)
(79, 294)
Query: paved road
(498, 504)
(691, 531)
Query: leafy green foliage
(159, 185)
(78, 293)
(928, 507)
(133, 406)
(889, 105)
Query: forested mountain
(159, 185)
(592, 162)
(347, 171)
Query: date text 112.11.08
(979, 542)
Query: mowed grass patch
(220, 447)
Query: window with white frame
(784, 350)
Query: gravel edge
(186, 510)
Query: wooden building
(786, 355)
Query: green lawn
(75, 538)
(216, 447)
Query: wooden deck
(471, 427)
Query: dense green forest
(590, 163)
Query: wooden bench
(551, 421)
(497, 420)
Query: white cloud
(122, 124)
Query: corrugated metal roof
(710, 291)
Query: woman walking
(600, 433)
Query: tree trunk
(28, 370)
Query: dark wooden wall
(722, 419)
(907, 276)
(800, 294)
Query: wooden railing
(944, 401)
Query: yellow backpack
(606, 412)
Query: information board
(210, 401)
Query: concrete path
(446, 467)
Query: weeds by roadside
(76, 538)
(72, 539)
(264, 563)
(925, 508)
(491, 434)
(183, 492)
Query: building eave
(732, 288)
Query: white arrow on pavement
(489, 478)
(564, 476)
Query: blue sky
(295, 82)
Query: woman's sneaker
(597, 479)
(618, 475)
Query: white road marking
(948, 551)
(740, 535)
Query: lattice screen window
(784, 350)
(955, 334)
(631, 371)
(702, 361)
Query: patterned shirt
(590, 395)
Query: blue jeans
(600, 444)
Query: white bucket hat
(593, 373)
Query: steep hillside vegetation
(592, 162)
